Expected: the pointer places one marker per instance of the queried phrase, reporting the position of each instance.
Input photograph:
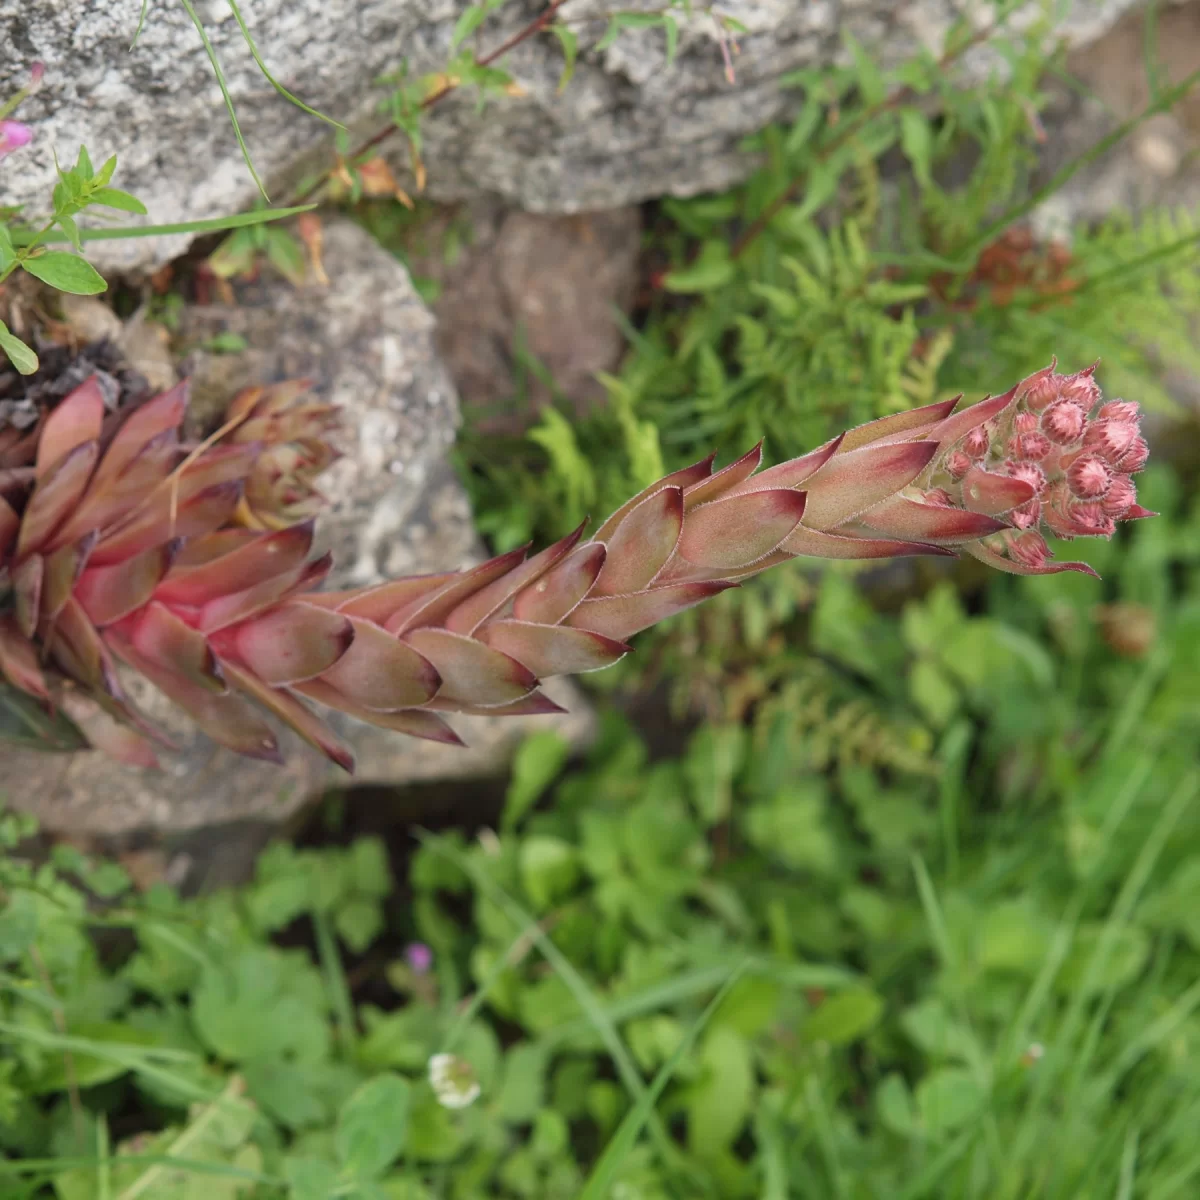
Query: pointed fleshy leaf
(987, 492)
(9, 524)
(620, 617)
(381, 672)
(471, 671)
(289, 643)
(252, 563)
(961, 423)
(111, 737)
(1138, 513)
(294, 713)
(241, 606)
(433, 608)
(75, 420)
(172, 643)
(76, 646)
(110, 593)
(225, 716)
(62, 570)
(416, 722)
(18, 660)
(679, 570)
(467, 617)
(851, 483)
(723, 481)
(107, 504)
(553, 649)
(382, 601)
(641, 544)
(55, 495)
(791, 474)
(152, 526)
(812, 543)
(683, 478)
(201, 550)
(159, 416)
(548, 601)
(989, 557)
(536, 704)
(911, 521)
(907, 422)
(736, 532)
(27, 592)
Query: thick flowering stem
(195, 570)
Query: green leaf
(549, 869)
(83, 164)
(310, 1178)
(19, 354)
(471, 19)
(538, 761)
(712, 269)
(569, 40)
(523, 1085)
(358, 922)
(115, 198)
(948, 1099)
(894, 1103)
(671, 28)
(67, 272)
(259, 216)
(286, 255)
(373, 1125)
(916, 140)
(844, 1017)
(718, 1106)
(7, 252)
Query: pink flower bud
(975, 444)
(1120, 410)
(13, 135)
(1134, 459)
(1122, 495)
(1063, 422)
(1089, 477)
(1030, 473)
(1111, 439)
(938, 497)
(1042, 393)
(1081, 388)
(957, 464)
(1028, 548)
(419, 957)
(1091, 520)
(1025, 422)
(36, 74)
(1031, 446)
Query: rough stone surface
(627, 127)
(366, 340)
(549, 283)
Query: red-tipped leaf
(553, 649)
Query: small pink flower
(1081, 388)
(1024, 422)
(1031, 446)
(1028, 548)
(1111, 439)
(1043, 392)
(1120, 410)
(13, 135)
(1089, 477)
(1134, 459)
(419, 957)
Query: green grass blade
(604, 1173)
(262, 66)
(190, 9)
(112, 233)
(137, 33)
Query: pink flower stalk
(13, 135)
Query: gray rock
(628, 127)
(396, 508)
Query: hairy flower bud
(1028, 548)
(938, 497)
(1120, 410)
(1134, 459)
(1089, 477)
(1032, 447)
(1111, 439)
(1122, 495)
(1063, 422)
(957, 464)
(1024, 422)
(975, 444)
(1042, 393)
(1091, 520)
(1081, 388)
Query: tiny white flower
(453, 1081)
